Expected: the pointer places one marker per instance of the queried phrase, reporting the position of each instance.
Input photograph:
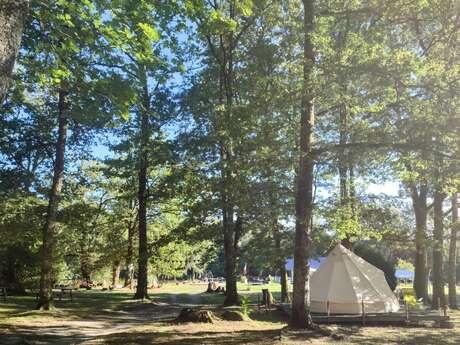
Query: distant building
(404, 276)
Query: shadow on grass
(172, 338)
(402, 337)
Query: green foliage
(404, 265)
(245, 305)
(223, 79)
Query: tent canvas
(345, 283)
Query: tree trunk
(343, 166)
(231, 228)
(12, 16)
(116, 273)
(452, 272)
(141, 290)
(85, 269)
(284, 285)
(280, 261)
(129, 257)
(45, 300)
(230, 245)
(300, 317)
(419, 204)
(438, 243)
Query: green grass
(88, 302)
(408, 288)
(143, 322)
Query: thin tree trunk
(439, 298)
(129, 256)
(141, 290)
(300, 302)
(12, 16)
(280, 261)
(45, 300)
(452, 272)
(116, 273)
(343, 169)
(419, 204)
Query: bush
(377, 259)
(245, 305)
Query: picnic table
(65, 290)
(3, 293)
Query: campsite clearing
(110, 317)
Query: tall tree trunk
(45, 300)
(439, 298)
(300, 302)
(129, 256)
(452, 272)
(343, 169)
(12, 16)
(141, 290)
(419, 204)
(231, 228)
(116, 272)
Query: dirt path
(56, 331)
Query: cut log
(195, 315)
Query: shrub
(245, 305)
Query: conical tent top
(347, 284)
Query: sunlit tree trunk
(12, 16)
(300, 302)
(452, 271)
(231, 228)
(141, 290)
(45, 300)
(116, 267)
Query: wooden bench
(3, 293)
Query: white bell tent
(346, 284)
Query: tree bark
(419, 204)
(12, 16)
(280, 261)
(228, 204)
(452, 271)
(300, 317)
(116, 273)
(141, 290)
(284, 285)
(45, 300)
(129, 256)
(230, 247)
(343, 169)
(439, 298)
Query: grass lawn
(111, 317)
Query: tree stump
(195, 315)
(267, 298)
